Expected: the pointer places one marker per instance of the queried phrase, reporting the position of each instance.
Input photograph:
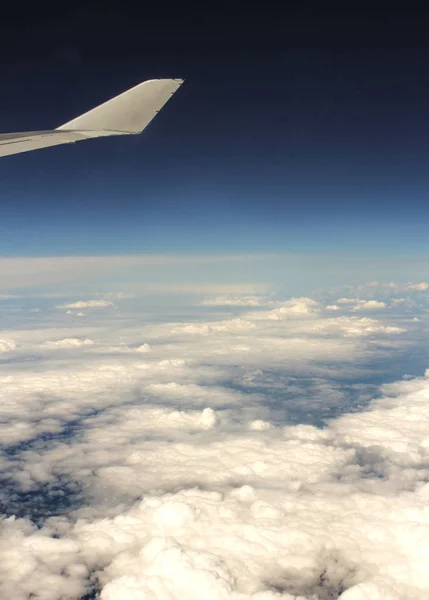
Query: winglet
(130, 112)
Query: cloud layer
(171, 460)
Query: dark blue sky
(305, 129)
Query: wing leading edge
(126, 114)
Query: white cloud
(332, 307)
(347, 300)
(421, 287)
(259, 425)
(291, 309)
(355, 326)
(7, 345)
(193, 477)
(305, 511)
(144, 348)
(231, 325)
(369, 305)
(87, 304)
(67, 343)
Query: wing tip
(113, 115)
(178, 81)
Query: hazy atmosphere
(214, 370)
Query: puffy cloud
(333, 307)
(7, 345)
(88, 304)
(189, 470)
(355, 326)
(259, 425)
(231, 325)
(34, 564)
(421, 287)
(289, 512)
(144, 348)
(294, 308)
(402, 299)
(369, 305)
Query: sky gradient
(301, 133)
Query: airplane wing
(126, 114)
